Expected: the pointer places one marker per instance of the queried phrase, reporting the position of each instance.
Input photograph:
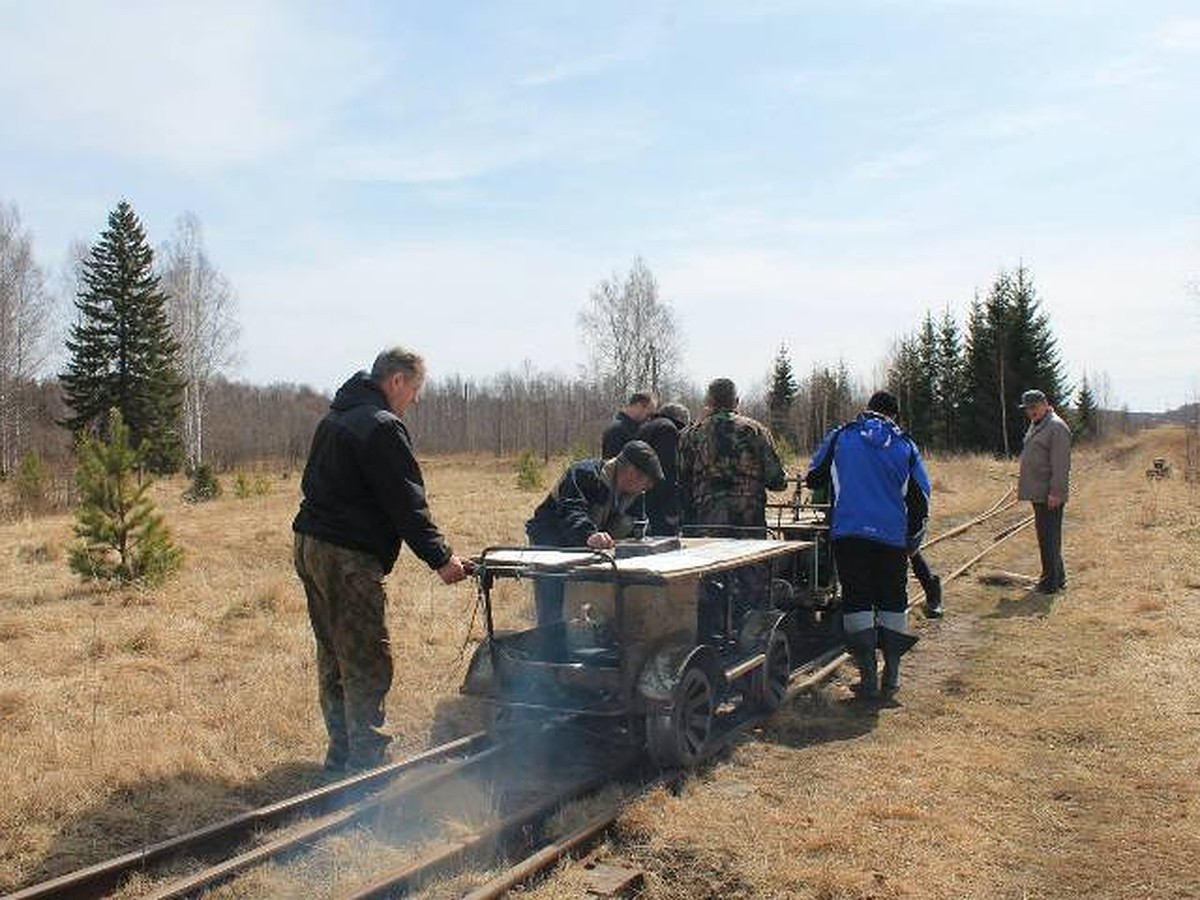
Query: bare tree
(203, 311)
(25, 325)
(630, 334)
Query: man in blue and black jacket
(880, 508)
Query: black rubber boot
(862, 648)
(895, 645)
(932, 607)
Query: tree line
(959, 389)
(155, 335)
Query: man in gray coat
(1044, 480)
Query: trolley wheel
(677, 736)
(769, 682)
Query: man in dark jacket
(661, 431)
(590, 507)
(363, 496)
(624, 425)
(880, 507)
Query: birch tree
(202, 308)
(25, 324)
(630, 335)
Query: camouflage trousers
(726, 515)
(346, 605)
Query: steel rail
(551, 853)
(1003, 504)
(102, 878)
(299, 839)
(454, 853)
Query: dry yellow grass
(1042, 748)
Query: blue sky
(458, 177)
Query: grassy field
(1040, 748)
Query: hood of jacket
(877, 431)
(358, 390)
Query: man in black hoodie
(363, 496)
(661, 431)
(625, 423)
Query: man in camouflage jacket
(727, 462)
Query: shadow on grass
(137, 815)
(823, 717)
(1026, 603)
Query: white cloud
(475, 139)
(194, 87)
(571, 69)
(1181, 35)
(892, 164)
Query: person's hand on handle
(601, 540)
(454, 569)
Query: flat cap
(642, 457)
(1032, 398)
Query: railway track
(415, 808)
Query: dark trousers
(1048, 524)
(873, 577)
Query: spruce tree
(1010, 349)
(782, 397)
(948, 388)
(1032, 350)
(121, 536)
(122, 354)
(904, 373)
(1087, 414)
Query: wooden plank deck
(695, 555)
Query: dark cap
(883, 402)
(1032, 398)
(642, 457)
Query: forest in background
(958, 383)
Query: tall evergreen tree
(922, 410)
(904, 373)
(979, 381)
(1010, 348)
(1087, 414)
(782, 396)
(122, 354)
(1032, 351)
(948, 387)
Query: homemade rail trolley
(663, 637)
